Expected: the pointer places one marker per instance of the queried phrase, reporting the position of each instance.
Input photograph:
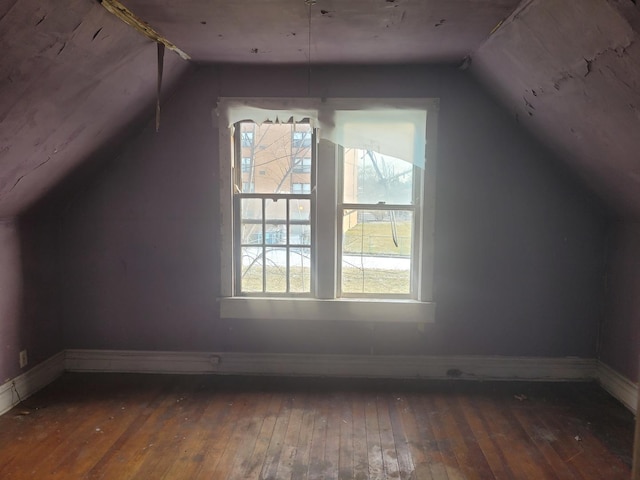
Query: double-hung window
(327, 219)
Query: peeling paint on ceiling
(354, 31)
(571, 72)
(70, 79)
(131, 19)
(72, 76)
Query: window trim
(325, 305)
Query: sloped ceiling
(570, 70)
(73, 78)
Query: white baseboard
(139, 361)
(383, 366)
(30, 382)
(618, 386)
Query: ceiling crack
(24, 175)
(619, 50)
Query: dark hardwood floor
(108, 426)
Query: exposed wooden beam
(130, 18)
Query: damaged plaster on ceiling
(571, 72)
(353, 32)
(72, 80)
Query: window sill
(369, 310)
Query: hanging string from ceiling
(309, 3)
(160, 70)
(127, 16)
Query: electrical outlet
(23, 358)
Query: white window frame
(325, 305)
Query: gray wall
(621, 326)
(10, 300)
(29, 315)
(518, 243)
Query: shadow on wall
(518, 241)
(12, 333)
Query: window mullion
(264, 247)
(288, 249)
(326, 228)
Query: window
(302, 165)
(247, 139)
(302, 139)
(344, 221)
(301, 188)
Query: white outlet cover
(23, 358)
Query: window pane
(271, 150)
(300, 234)
(299, 216)
(275, 210)
(376, 251)
(370, 177)
(251, 208)
(299, 209)
(300, 270)
(275, 234)
(251, 234)
(276, 262)
(301, 188)
(251, 280)
(302, 137)
(247, 138)
(302, 165)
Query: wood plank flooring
(116, 426)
